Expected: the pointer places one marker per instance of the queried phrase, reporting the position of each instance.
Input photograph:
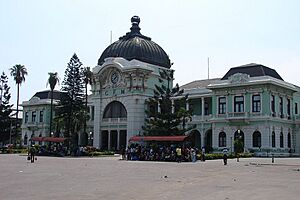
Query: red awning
(180, 138)
(48, 139)
(38, 139)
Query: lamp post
(238, 142)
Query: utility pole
(207, 67)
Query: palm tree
(52, 81)
(18, 72)
(88, 77)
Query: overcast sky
(44, 34)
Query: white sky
(43, 35)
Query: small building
(36, 115)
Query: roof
(253, 70)
(134, 45)
(180, 138)
(57, 95)
(199, 83)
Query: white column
(97, 132)
(173, 108)
(187, 105)
(202, 107)
(158, 108)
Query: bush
(101, 153)
(214, 156)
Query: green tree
(71, 103)
(18, 72)
(52, 81)
(167, 121)
(5, 108)
(88, 77)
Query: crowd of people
(166, 153)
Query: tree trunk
(17, 113)
(85, 114)
(51, 113)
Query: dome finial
(135, 21)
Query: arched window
(281, 140)
(25, 139)
(115, 109)
(222, 139)
(273, 139)
(40, 143)
(289, 140)
(32, 142)
(256, 139)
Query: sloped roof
(199, 83)
(253, 70)
(57, 95)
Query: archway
(256, 139)
(195, 139)
(115, 109)
(25, 140)
(239, 141)
(208, 141)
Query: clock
(114, 77)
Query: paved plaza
(110, 178)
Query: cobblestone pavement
(110, 178)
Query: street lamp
(91, 138)
(231, 145)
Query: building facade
(251, 103)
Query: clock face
(114, 78)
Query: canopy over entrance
(180, 138)
(48, 139)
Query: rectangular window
(239, 104)
(256, 104)
(281, 107)
(26, 117)
(296, 108)
(33, 116)
(222, 105)
(273, 104)
(92, 112)
(41, 116)
(288, 108)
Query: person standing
(32, 154)
(178, 154)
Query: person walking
(225, 156)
